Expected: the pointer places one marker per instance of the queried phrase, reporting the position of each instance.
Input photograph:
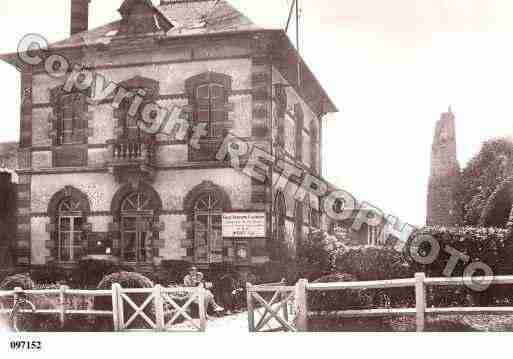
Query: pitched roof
(195, 18)
(188, 17)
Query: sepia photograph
(233, 167)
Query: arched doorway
(136, 236)
(208, 238)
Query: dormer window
(142, 17)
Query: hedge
(491, 246)
(336, 300)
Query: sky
(391, 67)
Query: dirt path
(230, 323)
(234, 323)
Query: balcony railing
(128, 152)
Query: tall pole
(297, 25)
(290, 15)
(299, 80)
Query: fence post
(301, 305)
(285, 308)
(62, 302)
(159, 307)
(202, 307)
(117, 307)
(251, 310)
(115, 318)
(420, 300)
(17, 292)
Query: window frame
(212, 209)
(71, 216)
(143, 234)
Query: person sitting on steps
(195, 278)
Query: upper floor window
(69, 122)
(128, 125)
(299, 116)
(208, 102)
(280, 99)
(314, 153)
(211, 109)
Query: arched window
(70, 225)
(208, 240)
(136, 235)
(278, 242)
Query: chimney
(79, 16)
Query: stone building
(91, 183)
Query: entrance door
(70, 224)
(136, 219)
(208, 240)
(136, 239)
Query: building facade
(92, 183)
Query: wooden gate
(159, 309)
(275, 307)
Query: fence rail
(174, 302)
(419, 283)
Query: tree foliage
(482, 175)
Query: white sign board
(244, 225)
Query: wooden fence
(419, 283)
(167, 306)
(274, 314)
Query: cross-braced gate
(159, 309)
(273, 307)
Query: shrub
(49, 275)
(339, 299)
(373, 263)
(126, 280)
(370, 263)
(91, 271)
(21, 280)
(313, 258)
